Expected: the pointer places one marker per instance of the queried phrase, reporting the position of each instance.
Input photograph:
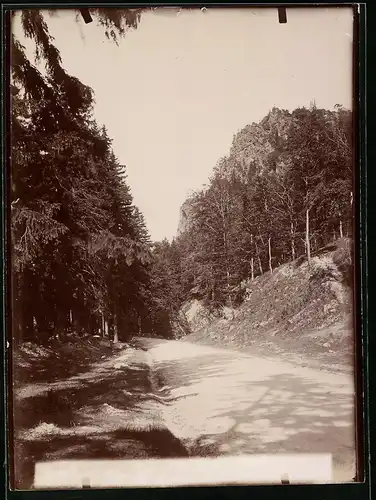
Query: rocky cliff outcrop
(186, 217)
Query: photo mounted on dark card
(183, 193)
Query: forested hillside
(82, 259)
(283, 192)
(81, 254)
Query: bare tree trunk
(139, 324)
(270, 254)
(101, 321)
(105, 330)
(111, 326)
(308, 245)
(252, 261)
(182, 329)
(340, 229)
(229, 289)
(116, 331)
(228, 276)
(258, 258)
(292, 241)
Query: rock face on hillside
(258, 147)
(196, 315)
(186, 217)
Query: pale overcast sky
(176, 90)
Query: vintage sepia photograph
(181, 231)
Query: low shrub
(342, 258)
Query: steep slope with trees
(283, 193)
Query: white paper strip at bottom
(250, 469)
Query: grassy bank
(92, 402)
